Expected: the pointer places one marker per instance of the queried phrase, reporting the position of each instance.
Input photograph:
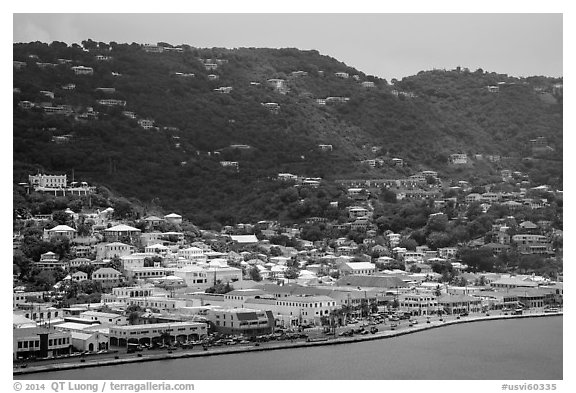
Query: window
(50, 342)
(19, 344)
(25, 344)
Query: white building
(193, 254)
(81, 70)
(140, 334)
(365, 268)
(47, 181)
(173, 218)
(146, 124)
(194, 276)
(104, 317)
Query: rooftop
(122, 228)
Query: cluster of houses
(49, 108)
(158, 284)
(176, 307)
(166, 275)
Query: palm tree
(437, 293)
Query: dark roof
(246, 316)
(371, 281)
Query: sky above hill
(385, 45)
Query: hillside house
(287, 177)
(230, 164)
(106, 90)
(49, 261)
(111, 102)
(60, 232)
(224, 89)
(118, 232)
(298, 73)
(173, 218)
(47, 181)
(273, 107)
(146, 124)
(82, 70)
(356, 212)
(107, 277)
(148, 48)
(278, 84)
(458, 159)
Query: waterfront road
(314, 334)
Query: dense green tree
(480, 260)
(254, 274)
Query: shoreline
(277, 346)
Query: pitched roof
(360, 265)
(528, 225)
(371, 281)
(122, 228)
(62, 228)
(515, 281)
(245, 238)
(108, 270)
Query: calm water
(508, 349)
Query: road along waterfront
(457, 343)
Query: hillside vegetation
(422, 119)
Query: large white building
(194, 276)
(47, 181)
(155, 332)
(366, 268)
(136, 260)
(304, 310)
(193, 254)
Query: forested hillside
(421, 119)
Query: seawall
(270, 347)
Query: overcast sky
(385, 45)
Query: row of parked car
(359, 330)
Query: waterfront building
(418, 303)
(457, 304)
(241, 321)
(40, 342)
(304, 310)
(156, 333)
